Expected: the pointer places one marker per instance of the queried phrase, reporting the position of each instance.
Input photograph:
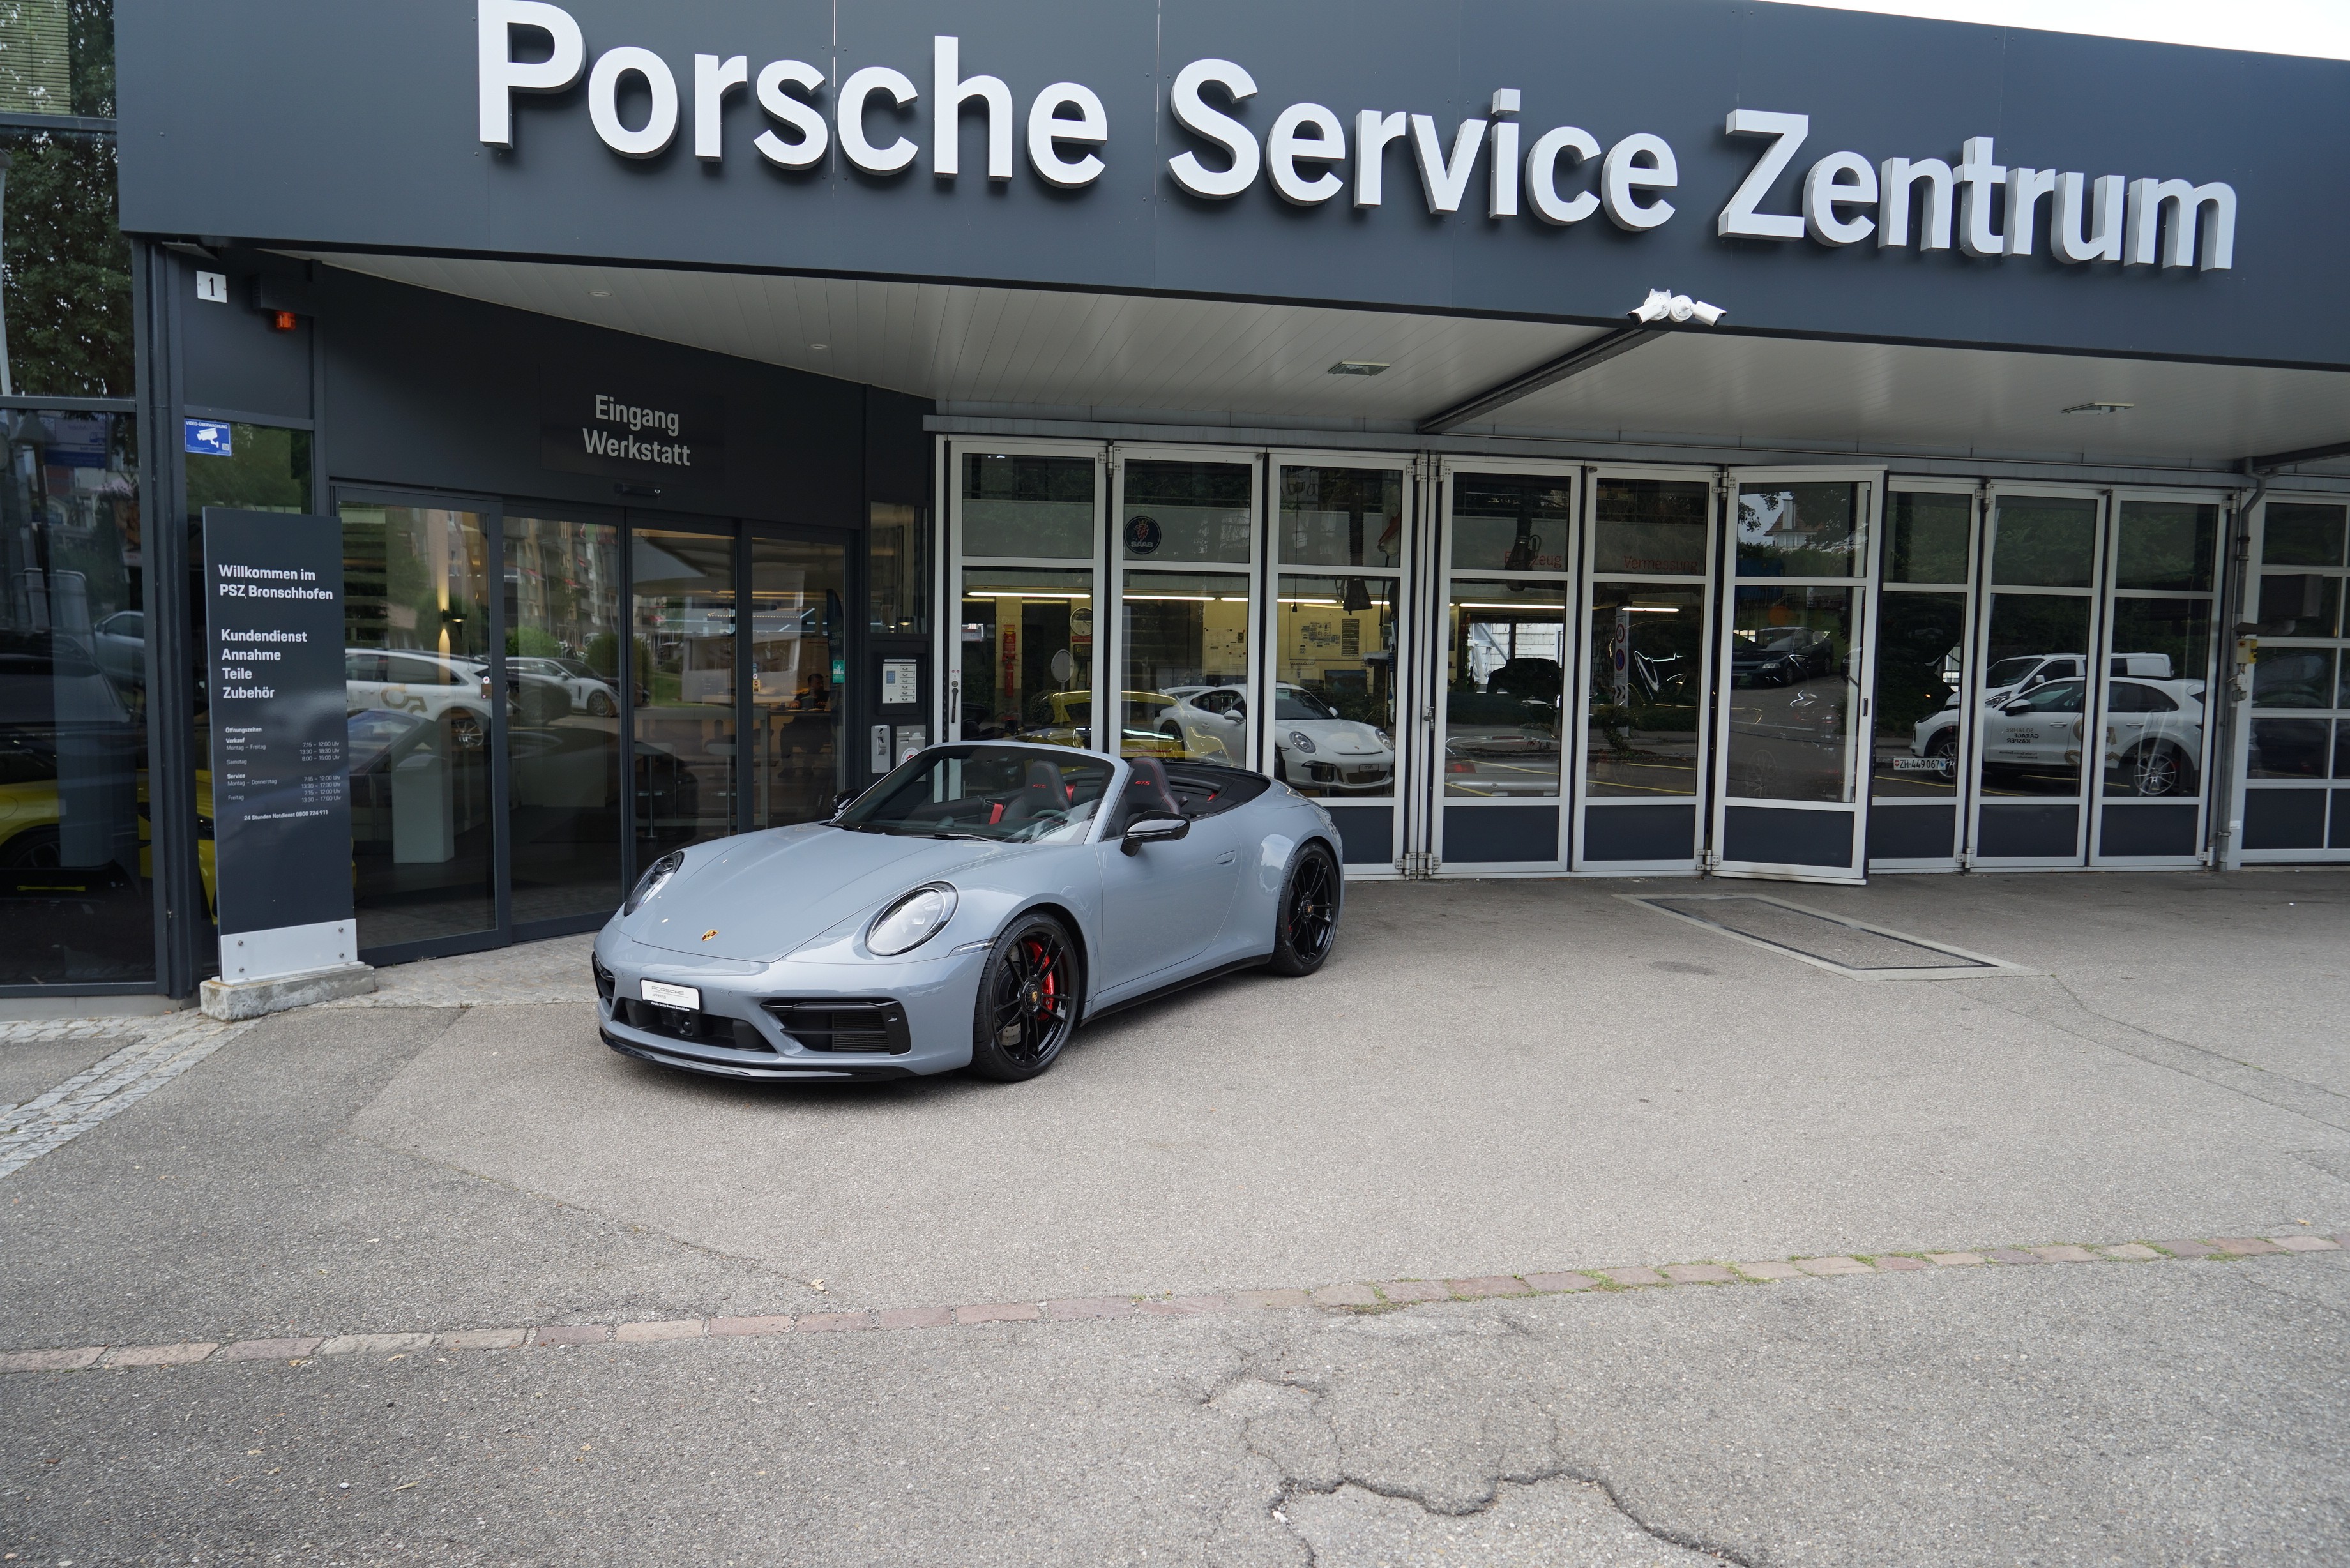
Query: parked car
(454, 691)
(587, 692)
(970, 910)
(1314, 747)
(1780, 656)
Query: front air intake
(878, 1026)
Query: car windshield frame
(1008, 805)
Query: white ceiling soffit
(1045, 354)
(1083, 355)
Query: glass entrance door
(2294, 749)
(1506, 554)
(2039, 625)
(1792, 723)
(797, 759)
(1338, 681)
(1184, 553)
(2155, 679)
(1646, 667)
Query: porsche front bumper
(738, 1033)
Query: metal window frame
(1707, 582)
(1436, 662)
(1960, 803)
(1406, 794)
(2112, 594)
(1859, 728)
(1110, 635)
(2338, 815)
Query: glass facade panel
(1028, 655)
(57, 56)
(2293, 677)
(75, 838)
(1505, 683)
(682, 618)
(799, 667)
(1505, 522)
(1925, 536)
(2030, 736)
(66, 285)
(1185, 512)
(1920, 644)
(2287, 749)
(563, 682)
(1334, 691)
(1652, 526)
(896, 568)
(1791, 704)
(2296, 533)
(1184, 689)
(416, 680)
(2154, 696)
(1647, 691)
(2167, 544)
(1028, 507)
(1341, 517)
(2299, 604)
(2044, 541)
(1801, 531)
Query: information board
(273, 673)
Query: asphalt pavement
(1489, 1079)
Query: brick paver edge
(1391, 1295)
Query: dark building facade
(1561, 455)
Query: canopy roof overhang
(999, 353)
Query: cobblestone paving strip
(1388, 1296)
(154, 1052)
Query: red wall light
(281, 321)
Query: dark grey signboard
(661, 438)
(273, 671)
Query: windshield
(1013, 795)
(2008, 671)
(1296, 703)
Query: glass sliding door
(2043, 553)
(1026, 528)
(423, 722)
(1507, 545)
(1923, 742)
(1641, 738)
(799, 675)
(1790, 797)
(562, 626)
(1183, 550)
(683, 631)
(2155, 679)
(1341, 536)
(2293, 744)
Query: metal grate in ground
(1833, 942)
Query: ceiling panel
(1046, 354)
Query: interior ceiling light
(1359, 367)
(2098, 408)
(1662, 304)
(599, 294)
(819, 345)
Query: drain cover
(1836, 942)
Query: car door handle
(1228, 859)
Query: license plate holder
(660, 993)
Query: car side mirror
(2020, 705)
(1145, 830)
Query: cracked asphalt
(1492, 1077)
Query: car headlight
(912, 920)
(655, 878)
(1300, 740)
(1384, 739)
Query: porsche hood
(758, 897)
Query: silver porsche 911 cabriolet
(970, 909)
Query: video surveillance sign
(273, 674)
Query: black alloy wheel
(1309, 913)
(1027, 1001)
